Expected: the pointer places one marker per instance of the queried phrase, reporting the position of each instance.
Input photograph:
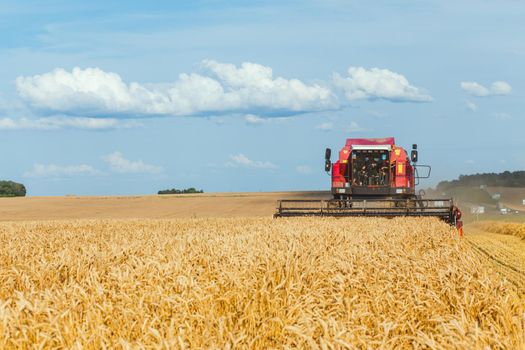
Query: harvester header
(374, 177)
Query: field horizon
(213, 204)
(209, 204)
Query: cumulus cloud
(474, 88)
(254, 120)
(53, 170)
(328, 126)
(119, 164)
(496, 88)
(218, 88)
(222, 88)
(500, 88)
(378, 83)
(241, 160)
(55, 123)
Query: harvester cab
(374, 168)
(374, 177)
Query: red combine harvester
(374, 177)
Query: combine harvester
(374, 177)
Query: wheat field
(250, 283)
(502, 244)
(504, 228)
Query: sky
(130, 97)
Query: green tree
(504, 179)
(12, 189)
(177, 191)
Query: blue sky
(108, 97)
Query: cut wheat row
(505, 228)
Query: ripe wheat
(250, 283)
(506, 228)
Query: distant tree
(177, 191)
(12, 189)
(471, 194)
(504, 179)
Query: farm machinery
(374, 177)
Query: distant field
(243, 204)
(152, 207)
(511, 197)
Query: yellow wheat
(506, 228)
(250, 283)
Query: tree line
(12, 189)
(183, 191)
(504, 179)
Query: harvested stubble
(504, 228)
(504, 253)
(257, 283)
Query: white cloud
(327, 126)
(254, 120)
(474, 88)
(119, 164)
(303, 169)
(53, 170)
(496, 88)
(500, 88)
(219, 88)
(471, 106)
(378, 84)
(55, 123)
(224, 88)
(241, 160)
